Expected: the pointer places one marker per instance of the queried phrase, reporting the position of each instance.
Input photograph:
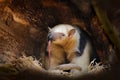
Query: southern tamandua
(70, 49)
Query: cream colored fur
(68, 46)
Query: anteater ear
(49, 29)
(71, 32)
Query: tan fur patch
(60, 49)
(57, 56)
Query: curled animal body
(69, 49)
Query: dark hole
(66, 70)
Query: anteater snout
(50, 37)
(55, 35)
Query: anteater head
(61, 34)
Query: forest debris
(95, 68)
(27, 63)
(32, 65)
(7, 69)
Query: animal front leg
(68, 67)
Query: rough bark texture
(24, 27)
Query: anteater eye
(63, 34)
